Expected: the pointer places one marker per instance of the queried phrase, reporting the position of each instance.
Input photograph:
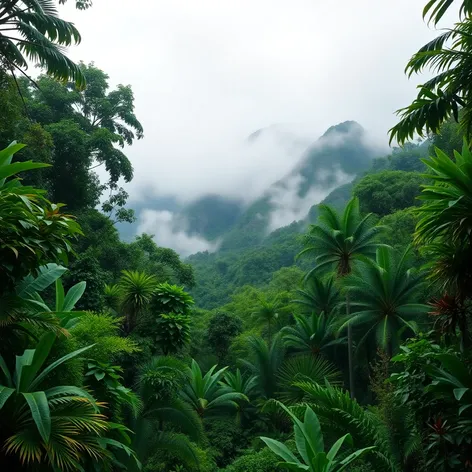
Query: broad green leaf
(281, 450)
(6, 372)
(59, 295)
(73, 296)
(7, 153)
(39, 407)
(5, 394)
(41, 353)
(17, 167)
(48, 274)
(57, 363)
(313, 431)
(460, 392)
(21, 362)
(354, 456)
(303, 446)
(337, 446)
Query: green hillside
(250, 256)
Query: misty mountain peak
(346, 127)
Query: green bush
(252, 461)
(226, 438)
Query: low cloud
(162, 224)
(289, 206)
(242, 169)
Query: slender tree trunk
(349, 348)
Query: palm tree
(318, 295)
(237, 382)
(304, 367)
(60, 425)
(445, 227)
(137, 289)
(338, 242)
(437, 8)
(385, 294)
(205, 393)
(244, 384)
(25, 310)
(166, 422)
(448, 94)
(267, 312)
(311, 334)
(112, 297)
(31, 30)
(265, 363)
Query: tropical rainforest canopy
(341, 342)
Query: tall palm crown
(337, 242)
(31, 30)
(265, 363)
(385, 293)
(136, 289)
(311, 334)
(339, 239)
(318, 295)
(267, 312)
(164, 414)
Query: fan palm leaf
(311, 334)
(385, 297)
(265, 363)
(137, 289)
(341, 414)
(318, 295)
(61, 425)
(304, 368)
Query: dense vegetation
(341, 342)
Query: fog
(206, 74)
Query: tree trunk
(349, 348)
(269, 334)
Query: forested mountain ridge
(335, 158)
(250, 253)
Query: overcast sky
(207, 73)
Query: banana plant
(65, 303)
(205, 393)
(55, 424)
(310, 447)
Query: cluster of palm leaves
(448, 93)
(63, 425)
(444, 232)
(31, 30)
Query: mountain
(332, 161)
(213, 221)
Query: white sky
(207, 73)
